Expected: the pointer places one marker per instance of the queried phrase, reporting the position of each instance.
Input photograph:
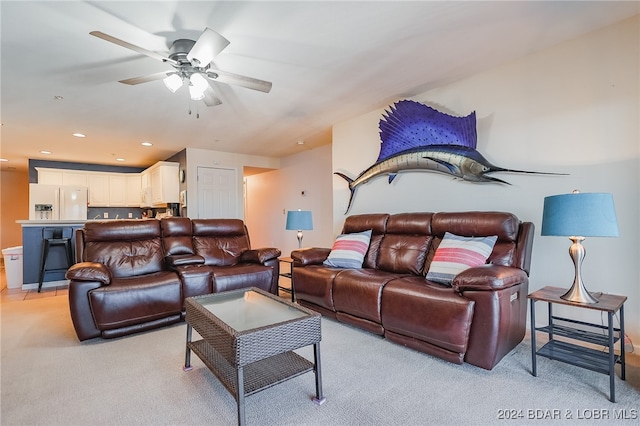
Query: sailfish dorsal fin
(410, 124)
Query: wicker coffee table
(247, 340)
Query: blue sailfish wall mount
(416, 137)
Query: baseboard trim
(46, 284)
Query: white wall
(571, 109)
(269, 195)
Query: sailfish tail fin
(352, 188)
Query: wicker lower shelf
(258, 375)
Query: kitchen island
(33, 232)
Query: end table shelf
(289, 276)
(601, 361)
(591, 359)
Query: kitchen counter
(62, 222)
(32, 237)
(50, 222)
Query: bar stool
(54, 237)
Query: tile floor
(9, 294)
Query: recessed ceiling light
(79, 135)
(146, 144)
(3, 160)
(119, 159)
(45, 152)
(300, 142)
(58, 98)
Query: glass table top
(246, 310)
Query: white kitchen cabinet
(49, 176)
(154, 187)
(145, 189)
(98, 189)
(164, 183)
(133, 188)
(117, 190)
(74, 178)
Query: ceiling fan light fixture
(173, 82)
(199, 82)
(196, 93)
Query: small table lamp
(299, 220)
(578, 216)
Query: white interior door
(217, 193)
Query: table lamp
(299, 220)
(579, 215)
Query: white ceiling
(329, 61)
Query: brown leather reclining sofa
(478, 319)
(133, 275)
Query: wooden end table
(579, 331)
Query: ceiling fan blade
(239, 80)
(207, 47)
(210, 98)
(133, 47)
(146, 78)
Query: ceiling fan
(192, 65)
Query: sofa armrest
(489, 278)
(89, 271)
(80, 308)
(310, 256)
(260, 255)
(176, 260)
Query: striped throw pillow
(349, 250)
(456, 254)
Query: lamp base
(578, 292)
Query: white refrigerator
(53, 202)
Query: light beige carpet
(49, 378)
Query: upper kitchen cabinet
(164, 182)
(156, 186)
(49, 176)
(117, 190)
(74, 178)
(145, 189)
(134, 186)
(114, 189)
(98, 189)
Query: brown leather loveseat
(478, 319)
(133, 275)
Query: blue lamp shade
(580, 214)
(299, 220)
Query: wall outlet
(130, 215)
(105, 215)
